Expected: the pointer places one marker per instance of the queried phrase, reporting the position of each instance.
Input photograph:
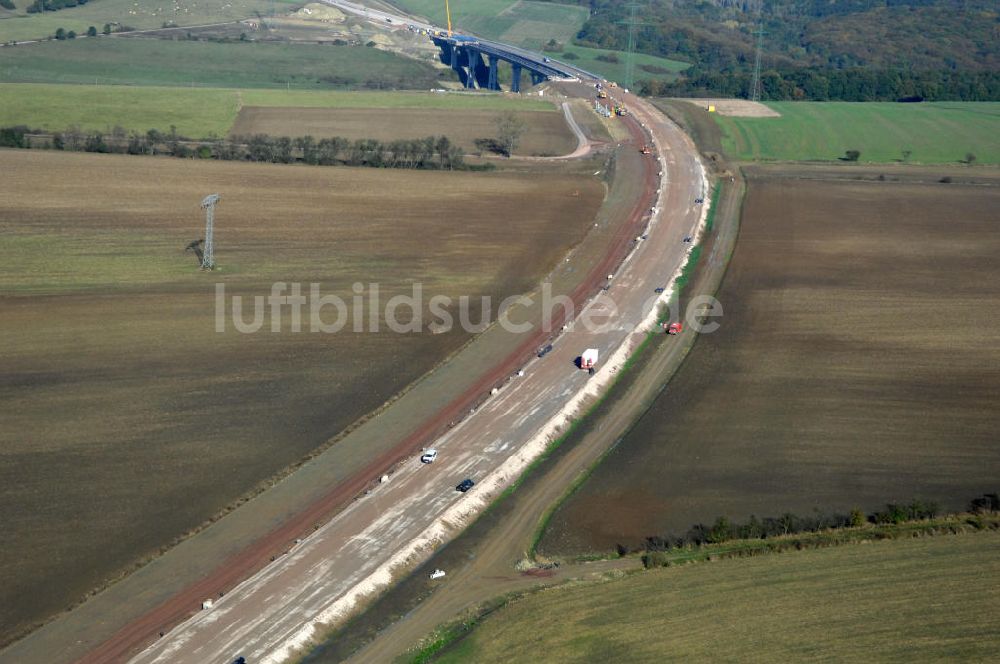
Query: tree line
(39, 6)
(854, 84)
(431, 152)
(724, 530)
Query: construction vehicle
(588, 361)
(645, 149)
(602, 94)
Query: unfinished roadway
(285, 604)
(288, 604)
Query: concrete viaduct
(476, 61)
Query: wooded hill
(814, 49)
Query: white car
(429, 456)
(437, 574)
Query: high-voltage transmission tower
(208, 258)
(633, 24)
(755, 82)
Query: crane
(447, 10)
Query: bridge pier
(471, 55)
(515, 83)
(493, 84)
(536, 78)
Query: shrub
(655, 559)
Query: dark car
(465, 485)
(545, 351)
(659, 290)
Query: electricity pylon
(755, 82)
(208, 258)
(632, 23)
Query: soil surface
(546, 132)
(130, 421)
(857, 364)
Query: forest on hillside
(852, 50)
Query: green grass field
(523, 23)
(941, 132)
(121, 61)
(145, 15)
(532, 25)
(203, 112)
(927, 599)
(615, 71)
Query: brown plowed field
(128, 420)
(546, 133)
(858, 363)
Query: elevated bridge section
(476, 61)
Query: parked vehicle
(465, 485)
(545, 350)
(429, 456)
(437, 574)
(589, 358)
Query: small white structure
(383, 479)
(207, 604)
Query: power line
(632, 24)
(755, 82)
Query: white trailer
(589, 359)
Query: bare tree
(510, 128)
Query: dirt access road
(284, 606)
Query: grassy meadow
(586, 58)
(164, 62)
(928, 599)
(203, 112)
(933, 132)
(143, 16)
(522, 23)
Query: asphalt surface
(284, 606)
